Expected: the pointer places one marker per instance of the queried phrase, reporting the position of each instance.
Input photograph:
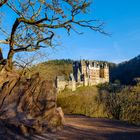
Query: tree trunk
(10, 59)
(1, 55)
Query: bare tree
(36, 21)
(2, 2)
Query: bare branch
(4, 42)
(36, 21)
(2, 2)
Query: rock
(30, 104)
(60, 112)
(24, 130)
(2, 128)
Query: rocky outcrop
(29, 104)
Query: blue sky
(122, 18)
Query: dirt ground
(79, 127)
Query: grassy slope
(82, 101)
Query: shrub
(122, 103)
(106, 100)
(82, 101)
(130, 105)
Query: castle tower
(106, 72)
(102, 75)
(83, 67)
(91, 72)
(75, 70)
(94, 73)
(78, 76)
(73, 82)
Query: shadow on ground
(79, 127)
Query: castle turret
(75, 70)
(106, 72)
(102, 71)
(83, 67)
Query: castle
(85, 73)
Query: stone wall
(61, 85)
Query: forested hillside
(124, 72)
(127, 71)
(50, 69)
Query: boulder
(29, 104)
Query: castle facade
(85, 73)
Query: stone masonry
(85, 73)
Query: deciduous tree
(36, 21)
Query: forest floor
(78, 127)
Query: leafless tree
(37, 20)
(2, 2)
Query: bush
(122, 104)
(130, 105)
(83, 101)
(106, 100)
